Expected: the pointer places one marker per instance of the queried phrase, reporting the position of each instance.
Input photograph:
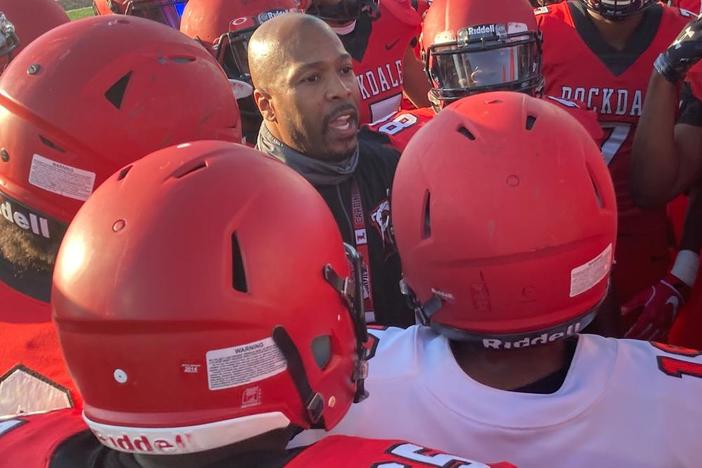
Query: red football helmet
(617, 9)
(473, 46)
(23, 21)
(226, 314)
(92, 95)
(505, 220)
(227, 26)
(167, 12)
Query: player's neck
(193, 460)
(510, 369)
(616, 33)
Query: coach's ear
(264, 102)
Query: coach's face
(315, 101)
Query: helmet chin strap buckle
(424, 311)
(315, 407)
(341, 285)
(360, 375)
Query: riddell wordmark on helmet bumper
(544, 338)
(28, 222)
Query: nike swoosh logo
(391, 45)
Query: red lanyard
(361, 240)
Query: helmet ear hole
(116, 92)
(238, 272)
(321, 351)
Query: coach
(307, 93)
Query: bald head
(281, 40)
(305, 87)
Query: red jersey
(377, 60)
(354, 452)
(32, 442)
(33, 376)
(579, 65)
(692, 6)
(401, 126)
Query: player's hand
(650, 313)
(682, 53)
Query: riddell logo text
(482, 30)
(144, 444)
(269, 15)
(496, 343)
(28, 222)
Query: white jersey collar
(587, 379)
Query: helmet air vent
(51, 144)
(238, 272)
(530, 121)
(426, 225)
(189, 169)
(598, 196)
(180, 59)
(466, 133)
(116, 92)
(123, 173)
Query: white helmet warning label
(586, 276)
(239, 365)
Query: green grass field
(80, 13)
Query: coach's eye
(311, 79)
(346, 70)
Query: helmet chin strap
(311, 400)
(433, 96)
(350, 290)
(345, 29)
(351, 293)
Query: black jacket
(374, 175)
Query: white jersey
(624, 403)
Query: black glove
(682, 53)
